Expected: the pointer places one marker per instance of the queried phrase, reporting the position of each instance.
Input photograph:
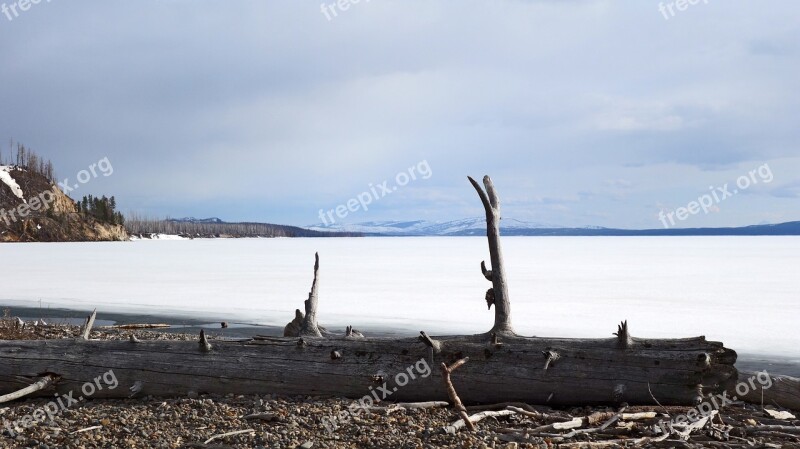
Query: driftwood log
(308, 360)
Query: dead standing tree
(496, 296)
(309, 326)
(311, 361)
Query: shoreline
(308, 422)
(774, 364)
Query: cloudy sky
(583, 112)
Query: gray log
(587, 371)
(783, 391)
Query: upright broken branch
(496, 296)
(87, 327)
(309, 327)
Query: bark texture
(587, 371)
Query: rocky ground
(297, 422)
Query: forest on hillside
(143, 226)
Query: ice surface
(743, 291)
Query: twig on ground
(228, 434)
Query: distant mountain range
(467, 226)
(213, 220)
(511, 227)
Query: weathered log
(588, 372)
(758, 388)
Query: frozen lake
(744, 291)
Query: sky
(583, 112)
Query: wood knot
(335, 355)
(550, 358)
(495, 340)
(490, 298)
(435, 345)
(619, 392)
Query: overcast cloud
(583, 112)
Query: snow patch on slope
(5, 176)
(157, 237)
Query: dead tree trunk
(498, 294)
(587, 371)
(308, 360)
(309, 328)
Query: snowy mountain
(467, 226)
(512, 227)
(196, 220)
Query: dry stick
(524, 412)
(613, 443)
(504, 405)
(786, 429)
(87, 329)
(422, 405)
(402, 406)
(476, 418)
(40, 384)
(269, 417)
(666, 412)
(137, 326)
(223, 435)
(87, 429)
(613, 419)
(451, 391)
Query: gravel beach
(274, 421)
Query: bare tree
(496, 296)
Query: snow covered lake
(744, 291)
